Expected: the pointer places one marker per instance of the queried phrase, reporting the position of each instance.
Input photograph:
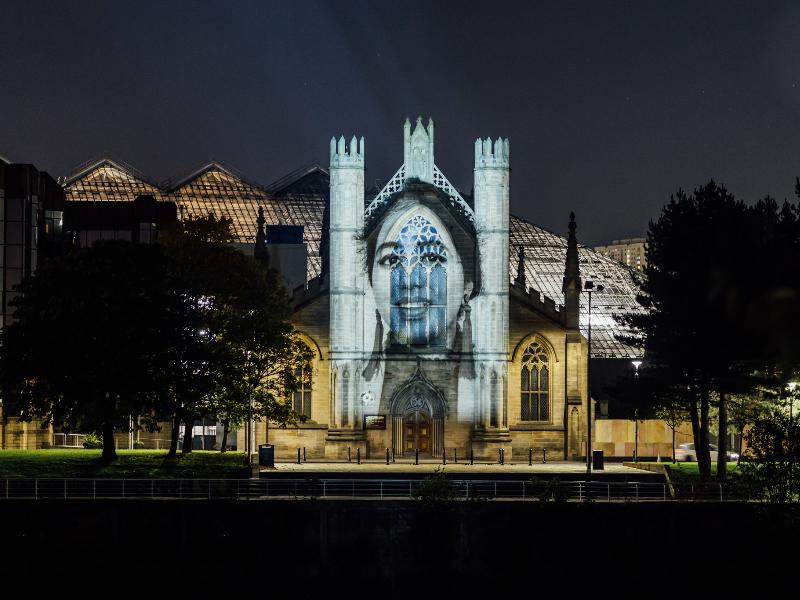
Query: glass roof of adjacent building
(108, 180)
(300, 198)
(545, 255)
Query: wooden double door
(418, 432)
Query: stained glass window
(418, 314)
(535, 384)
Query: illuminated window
(535, 385)
(418, 296)
(302, 396)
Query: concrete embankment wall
(462, 547)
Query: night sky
(609, 106)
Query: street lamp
(636, 364)
(791, 386)
(589, 286)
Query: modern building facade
(630, 252)
(31, 207)
(31, 212)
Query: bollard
(358, 456)
(544, 455)
(393, 455)
(298, 456)
(471, 457)
(455, 455)
(530, 457)
(416, 456)
(304, 454)
(348, 454)
(500, 456)
(387, 456)
(444, 456)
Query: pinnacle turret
(260, 251)
(520, 280)
(572, 277)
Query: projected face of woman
(415, 267)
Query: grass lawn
(689, 472)
(131, 464)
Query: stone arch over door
(418, 396)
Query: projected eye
(389, 259)
(432, 257)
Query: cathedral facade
(439, 322)
(424, 343)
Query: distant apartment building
(629, 252)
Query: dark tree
(771, 467)
(231, 336)
(86, 339)
(703, 258)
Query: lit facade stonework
(422, 306)
(422, 341)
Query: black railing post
(348, 454)
(444, 456)
(471, 456)
(392, 454)
(544, 455)
(416, 456)
(387, 456)
(298, 456)
(358, 456)
(455, 455)
(304, 454)
(530, 457)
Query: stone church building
(438, 321)
(423, 340)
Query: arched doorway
(418, 413)
(417, 425)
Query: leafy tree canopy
(87, 337)
(722, 299)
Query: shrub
(435, 488)
(92, 440)
(547, 490)
(771, 465)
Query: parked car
(686, 453)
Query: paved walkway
(429, 466)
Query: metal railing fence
(251, 489)
(68, 440)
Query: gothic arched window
(303, 371)
(535, 386)
(418, 279)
